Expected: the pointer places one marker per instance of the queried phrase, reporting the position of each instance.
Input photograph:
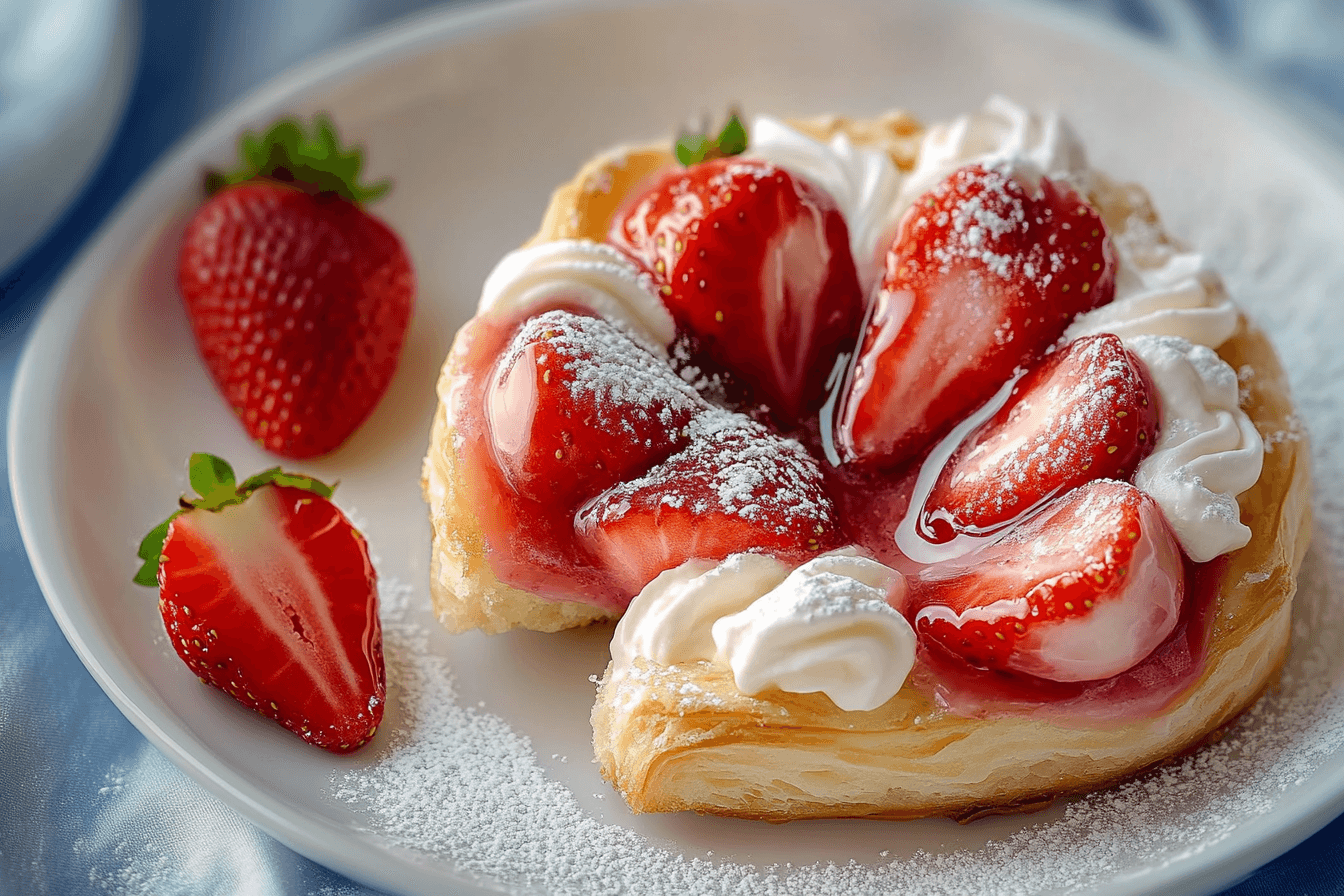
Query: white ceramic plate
(482, 777)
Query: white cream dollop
(1161, 290)
(863, 181)
(828, 627)
(1002, 132)
(1208, 451)
(669, 621)
(593, 275)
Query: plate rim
(38, 384)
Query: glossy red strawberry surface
(985, 273)
(599, 463)
(1087, 411)
(267, 593)
(1083, 590)
(736, 487)
(707, 487)
(299, 305)
(754, 265)
(574, 406)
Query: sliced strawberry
(574, 405)
(755, 264)
(987, 271)
(267, 592)
(1082, 591)
(736, 487)
(1087, 411)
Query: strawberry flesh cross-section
(1083, 590)
(987, 271)
(1087, 411)
(597, 462)
(754, 264)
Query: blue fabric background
(87, 806)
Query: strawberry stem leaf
(150, 549)
(692, 149)
(214, 481)
(277, 476)
(312, 160)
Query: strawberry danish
(923, 470)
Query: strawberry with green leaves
(267, 592)
(298, 298)
(753, 263)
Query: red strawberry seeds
(754, 265)
(574, 406)
(1083, 590)
(1087, 411)
(735, 488)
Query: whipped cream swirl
(1001, 133)
(827, 626)
(1208, 450)
(592, 275)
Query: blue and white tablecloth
(87, 806)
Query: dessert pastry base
(465, 591)
(683, 737)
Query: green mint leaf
(733, 138)
(691, 149)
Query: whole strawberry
(267, 593)
(299, 299)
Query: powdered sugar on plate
(465, 786)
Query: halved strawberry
(1087, 411)
(987, 271)
(574, 405)
(267, 593)
(1082, 591)
(736, 487)
(755, 264)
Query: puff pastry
(681, 737)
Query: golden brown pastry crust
(683, 737)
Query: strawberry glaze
(531, 540)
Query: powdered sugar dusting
(732, 466)
(604, 367)
(467, 791)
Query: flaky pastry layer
(683, 737)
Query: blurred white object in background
(66, 68)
